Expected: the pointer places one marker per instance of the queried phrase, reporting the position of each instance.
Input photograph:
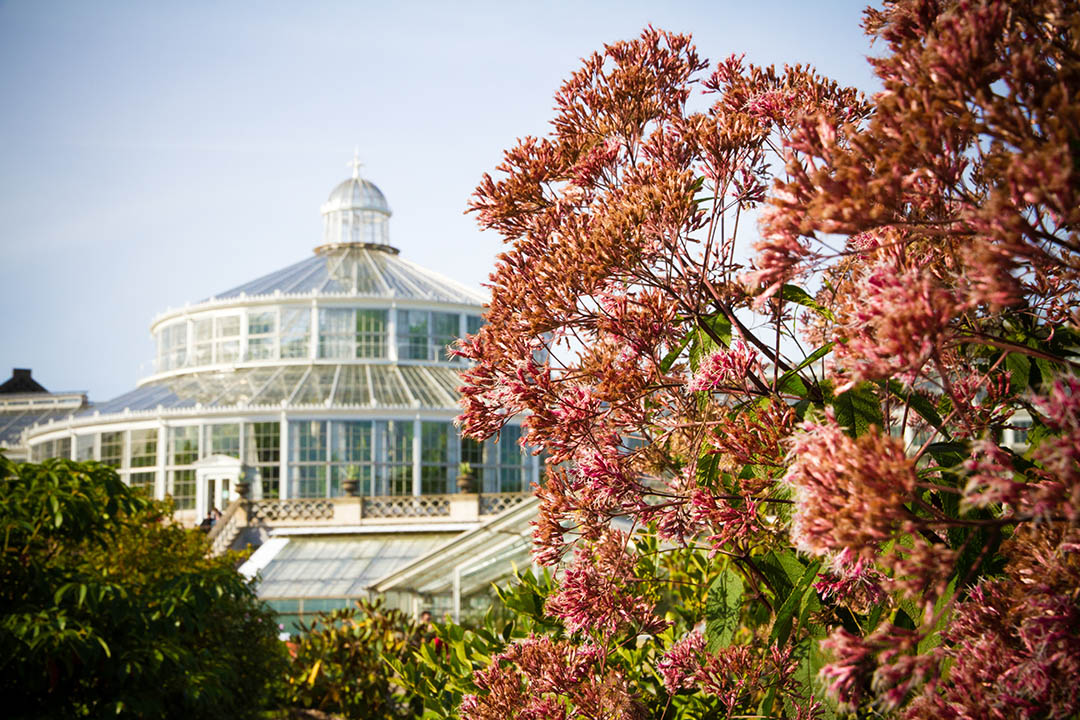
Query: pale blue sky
(155, 153)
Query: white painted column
(416, 487)
(391, 333)
(162, 479)
(313, 349)
(283, 472)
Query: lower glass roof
(366, 386)
(341, 566)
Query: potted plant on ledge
(466, 479)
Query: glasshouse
(313, 407)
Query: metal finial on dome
(355, 164)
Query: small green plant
(339, 663)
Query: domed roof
(356, 194)
(360, 272)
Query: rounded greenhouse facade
(331, 376)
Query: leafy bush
(111, 609)
(339, 663)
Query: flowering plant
(830, 420)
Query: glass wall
(438, 465)
(112, 448)
(351, 454)
(379, 454)
(144, 445)
(295, 332)
(172, 346)
(346, 333)
(262, 451)
(286, 333)
(425, 335)
(262, 335)
(223, 440)
(84, 447)
(324, 454)
(183, 450)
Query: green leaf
(796, 294)
(948, 455)
(791, 383)
(933, 636)
(784, 616)
(919, 404)
(858, 409)
(783, 571)
(672, 356)
(722, 609)
(1019, 367)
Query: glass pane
(371, 333)
(84, 447)
(352, 441)
(434, 442)
(412, 334)
(399, 447)
(143, 448)
(336, 333)
(308, 441)
(112, 448)
(184, 445)
(143, 480)
(310, 480)
(203, 329)
(269, 479)
(444, 330)
(224, 440)
(262, 323)
(262, 442)
(434, 479)
(473, 324)
(228, 326)
(295, 330)
(182, 488)
(261, 348)
(435, 472)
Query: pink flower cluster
(541, 679)
(733, 672)
(599, 593)
(725, 368)
(850, 493)
(1014, 644)
(852, 580)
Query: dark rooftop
(21, 382)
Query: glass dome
(356, 213)
(356, 194)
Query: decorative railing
(263, 511)
(227, 527)
(407, 506)
(351, 510)
(495, 503)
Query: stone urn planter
(466, 480)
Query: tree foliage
(827, 419)
(339, 663)
(111, 609)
